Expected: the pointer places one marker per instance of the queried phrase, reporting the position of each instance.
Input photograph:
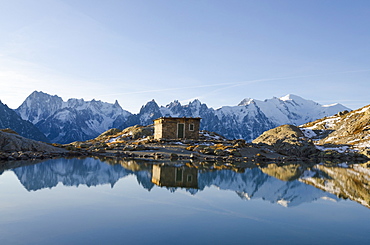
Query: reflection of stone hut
(177, 128)
(171, 176)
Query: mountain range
(73, 120)
(79, 120)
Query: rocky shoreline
(227, 151)
(212, 147)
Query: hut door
(180, 130)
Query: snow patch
(308, 133)
(177, 143)
(339, 149)
(215, 137)
(343, 165)
(283, 203)
(363, 145)
(363, 109)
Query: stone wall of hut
(167, 128)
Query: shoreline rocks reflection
(286, 185)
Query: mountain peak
(150, 105)
(116, 104)
(36, 93)
(39, 95)
(173, 104)
(39, 105)
(291, 97)
(245, 102)
(195, 102)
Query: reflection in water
(175, 176)
(75, 172)
(345, 182)
(288, 185)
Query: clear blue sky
(217, 51)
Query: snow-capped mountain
(247, 120)
(74, 120)
(39, 106)
(10, 119)
(145, 117)
(79, 120)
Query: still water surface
(88, 201)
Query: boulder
(138, 131)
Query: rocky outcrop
(288, 140)
(10, 142)
(351, 128)
(346, 132)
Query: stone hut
(177, 128)
(171, 176)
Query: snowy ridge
(247, 120)
(79, 120)
(73, 120)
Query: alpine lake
(115, 201)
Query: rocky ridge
(16, 147)
(344, 132)
(344, 136)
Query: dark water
(88, 201)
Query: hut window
(190, 178)
(191, 127)
(178, 175)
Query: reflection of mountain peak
(251, 184)
(254, 184)
(75, 172)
